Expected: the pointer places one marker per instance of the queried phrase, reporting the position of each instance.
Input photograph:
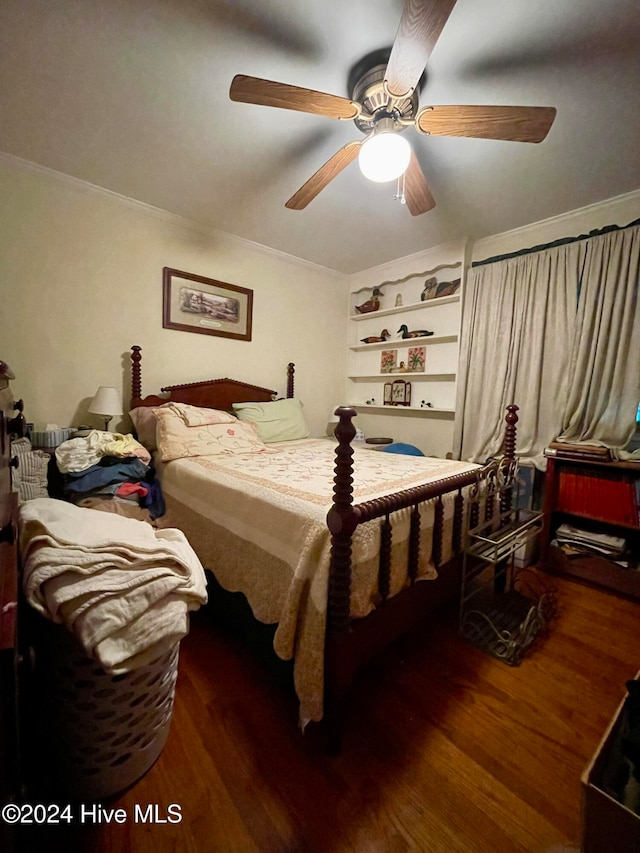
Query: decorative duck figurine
(374, 339)
(417, 333)
(430, 289)
(371, 304)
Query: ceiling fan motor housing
(368, 90)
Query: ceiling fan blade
(416, 191)
(515, 124)
(420, 26)
(323, 176)
(255, 90)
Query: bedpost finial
(345, 430)
(512, 414)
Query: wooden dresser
(10, 422)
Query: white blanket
(121, 587)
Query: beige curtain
(604, 365)
(518, 323)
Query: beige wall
(81, 281)
(81, 274)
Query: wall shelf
(413, 306)
(406, 342)
(401, 410)
(409, 376)
(435, 381)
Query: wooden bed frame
(351, 642)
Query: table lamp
(106, 403)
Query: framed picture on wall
(193, 303)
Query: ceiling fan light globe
(384, 157)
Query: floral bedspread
(259, 523)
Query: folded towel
(121, 587)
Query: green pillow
(280, 420)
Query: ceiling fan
(384, 103)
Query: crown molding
(28, 166)
(600, 214)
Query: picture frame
(194, 303)
(387, 397)
(388, 360)
(416, 359)
(400, 393)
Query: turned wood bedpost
(136, 373)
(510, 433)
(458, 522)
(509, 456)
(291, 369)
(341, 523)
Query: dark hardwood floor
(446, 749)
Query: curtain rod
(561, 242)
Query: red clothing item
(126, 489)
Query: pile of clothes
(110, 471)
(123, 589)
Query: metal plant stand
(503, 609)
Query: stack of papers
(577, 542)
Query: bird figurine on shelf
(371, 304)
(430, 289)
(417, 333)
(377, 339)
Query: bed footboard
(344, 652)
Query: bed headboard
(210, 394)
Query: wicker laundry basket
(103, 732)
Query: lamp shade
(384, 156)
(106, 402)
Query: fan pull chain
(399, 196)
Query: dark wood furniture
(351, 642)
(598, 496)
(10, 423)
(608, 822)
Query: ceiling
(133, 97)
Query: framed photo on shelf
(388, 360)
(193, 303)
(400, 393)
(416, 359)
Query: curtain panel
(555, 332)
(604, 365)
